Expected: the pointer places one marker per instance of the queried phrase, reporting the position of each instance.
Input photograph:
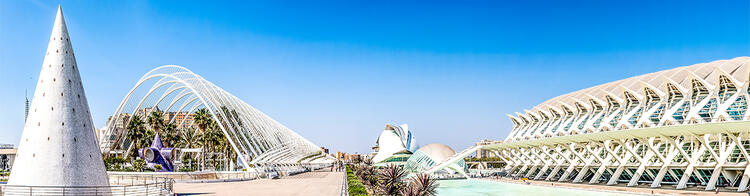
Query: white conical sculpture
(58, 146)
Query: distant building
(482, 153)
(340, 155)
(7, 156)
(353, 158)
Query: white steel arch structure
(683, 126)
(178, 92)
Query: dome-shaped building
(432, 154)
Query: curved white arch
(255, 137)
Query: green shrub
(356, 188)
(114, 163)
(139, 165)
(186, 169)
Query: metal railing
(345, 185)
(120, 177)
(211, 176)
(137, 186)
(145, 183)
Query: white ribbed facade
(651, 130)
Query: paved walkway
(321, 182)
(641, 190)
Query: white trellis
(178, 92)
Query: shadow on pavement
(186, 194)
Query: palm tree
(213, 137)
(229, 153)
(170, 135)
(189, 138)
(137, 132)
(156, 121)
(224, 147)
(212, 140)
(220, 147)
(202, 118)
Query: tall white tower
(26, 106)
(58, 146)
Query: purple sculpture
(158, 155)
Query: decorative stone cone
(58, 146)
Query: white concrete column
(605, 162)
(553, 173)
(586, 165)
(745, 179)
(571, 167)
(621, 166)
(641, 168)
(691, 166)
(664, 167)
(545, 161)
(724, 154)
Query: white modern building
(682, 127)
(394, 145)
(256, 138)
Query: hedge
(356, 188)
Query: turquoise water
(492, 188)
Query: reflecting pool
(492, 188)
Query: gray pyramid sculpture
(58, 146)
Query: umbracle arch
(177, 91)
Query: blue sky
(337, 72)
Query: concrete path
(321, 182)
(639, 190)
